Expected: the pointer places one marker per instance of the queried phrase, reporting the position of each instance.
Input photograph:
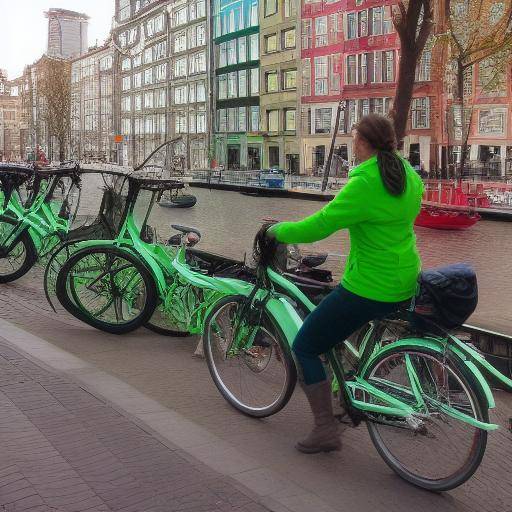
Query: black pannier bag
(447, 295)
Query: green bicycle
(420, 390)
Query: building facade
(238, 143)
(67, 33)
(92, 106)
(279, 64)
(190, 82)
(11, 121)
(141, 66)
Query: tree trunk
(465, 135)
(403, 93)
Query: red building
(350, 52)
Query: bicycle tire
(29, 250)
(289, 363)
(72, 303)
(479, 443)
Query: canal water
(228, 222)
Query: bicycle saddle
(314, 260)
(185, 229)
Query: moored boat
(438, 218)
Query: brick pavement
(64, 450)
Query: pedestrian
(378, 206)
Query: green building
(237, 139)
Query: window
(387, 23)
(424, 66)
(148, 99)
(201, 122)
(197, 63)
(351, 25)
(180, 67)
(180, 17)
(420, 113)
(231, 46)
(270, 7)
(289, 119)
(155, 25)
(377, 106)
(149, 125)
(232, 119)
(223, 55)
(271, 43)
(362, 21)
(271, 81)
(242, 49)
(137, 60)
(148, 76)
(363, 68)
(232, 85)
(388, 70)
(290, 79)
(126, 126)
(351, 70)
(335, 72)
(181, 122)
(491, 121)
(138, 102)
(196, 36)
(180, 42)
(160, 98)
(273, 120)
(126, 83)
(124, 9)
(180, 95)
(160, 50)
(126, 64)
(221, 120)
(376, 15)
(365, 107)
(321, 31)
(254, 47)
(323, 119)
(255, 119)
(222, 87)
(306, 77)
(255, 82)
(288, 39)
(242, 83)
(126, 104)
(137, 80)
(321, 73)
(306, 34)
(377, 67)
(289, 8)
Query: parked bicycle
(420, 390)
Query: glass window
(242, 49)
(126, 83)
(306, 77)
(181, 122)
(306, 34)
(288, 39)
(420, 109)
(270, 7)
(290, 79)
(289, 119)
(351, 25)
(232, 85)
(255, 82)
(377, 67)
(289, 8)
(137, 80)
(180, 17)
(124, 9)
(387, 23)
(232, 119)
(273, 120)
(137, 60)
(200, 91)
(254, 47)
(197, 63)
(321, 74)
(323, 120)
(271, 81)
(231, 52)
(126, 65)
(424, 67)
(126, 126)
(242, 83)
(148, 76)
(138, 102)
(180, 95)
(148, 55)
(321, 31)
(388, 71)
(362, 23)
(160, 98)
(223, 55)
(180, 67)
(180, 42)
(376, 16)
(126, 103)
(222, 120)
(254, 14)
(255, 119)
(201, 122)
(148, 99)
(222, 87)
(271, 43)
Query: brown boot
(324, 437)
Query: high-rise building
(67, 33)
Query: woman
(378, 205)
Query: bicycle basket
(447, 295)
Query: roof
(65, 12)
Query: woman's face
(362, 149)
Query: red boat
(437, 218)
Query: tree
(54, 88)
(478, 33)
(413, 21)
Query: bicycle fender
(438, 346)
(285, 316)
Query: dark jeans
(339, 315)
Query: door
(253, 158)
(233, 158)
(273, 157)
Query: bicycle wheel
(161, 323)
(444, 452)
(21, 258)
(108, 289)
(257, 379)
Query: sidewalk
(64, 450)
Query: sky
(24, 29)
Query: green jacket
(383, 263)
